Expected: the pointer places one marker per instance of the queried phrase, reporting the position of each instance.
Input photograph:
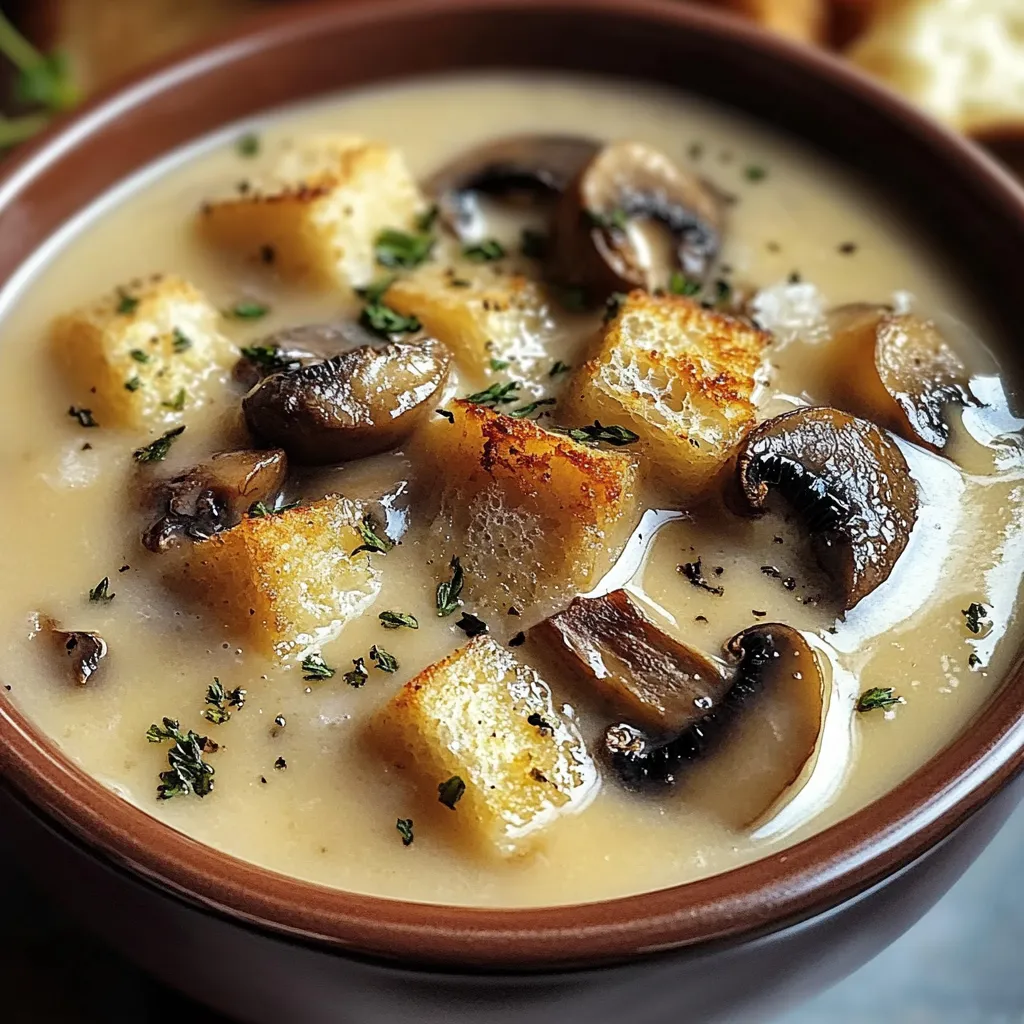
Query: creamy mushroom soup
(501, 491)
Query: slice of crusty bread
(961, 60)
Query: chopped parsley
(247, 309)
(484, 252)
(449, 591)
(259, 509)
(680, 284)
(376, 290)
(157, 450)
(975, 614)
(101, 592)
(404, 826)
(188, 772)
(723, 292)
(559, 367)
(403, 249)
(139, 356)
(596, 432)
(755, 173)
(268, 358)
(383, 660)
(126, 303)
(372, 541)
(496, 394)
(694, 572)
(180, 341)
(428, 218)
(384, 320)
(525, 411)
(358, 675)
(248, 145)
(177, 404)
(471, 625)
(878, 697)
(315, 668)
(450, 792)
(533, 244)
(217, 699)
(84, 416)
(133, 384)
(497, 365)
(395, 620)
(614, 220)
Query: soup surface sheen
(70, 518)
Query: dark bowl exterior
(913, 840)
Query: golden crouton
(479, 312)
(489, 720)
(680, 376)
(530, 512)
(145, 355)
(318, 217)
(288, 581)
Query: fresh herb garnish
(177, 404)
(358, 675)
(101, 592)
(268, 358)
(755, 173)
(259, 509)
(878, 697)
(395, 620)
(496, 394)
(403, 248)
(695, 574)
(559, 367)
(133, 384)
(372, 541)
(248, 145)
(383, 660)
(404, 826)
(471, 625)
(680, 284)
(247, 309)
(426, 220)
(497, 365)
(975, 613)
(450, 792)
(216, 698)
(84, 416)
(447, 414)
(533, 244)
(613, 435)
(449, 591)
(157, 450)
(180, 341)
(376, 290)
(384, 320)
(723, 292)
(188, 773)
(613, 220)
(538, 722)
(315, 668)
(126, 304)
(525, 411)
(484, 252)
(139, 356)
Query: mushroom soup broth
(658, 454)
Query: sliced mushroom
(359, 403)
(647, 676)
(756, 739)
(898, 371)
(214, 495)
(84, 649)
(519, 165)
(846, 480)
(627, 182)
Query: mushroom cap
(631, 181)
(361, 402)
(846, 480)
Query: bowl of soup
(512, 513)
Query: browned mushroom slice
(530, 165)
(846, 480)
(214, 495)
(650, 678)
(359, 403)
(631, 182)
(898, 371)
(756, 739)
(85, 650)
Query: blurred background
(960, 60)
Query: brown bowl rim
(786, 887)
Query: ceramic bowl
(267, 948)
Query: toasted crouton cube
(681, 376)
(531, 512)
(288, 581)
(146, 354)
(484, 717)
(479, 313)
(320, 213)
